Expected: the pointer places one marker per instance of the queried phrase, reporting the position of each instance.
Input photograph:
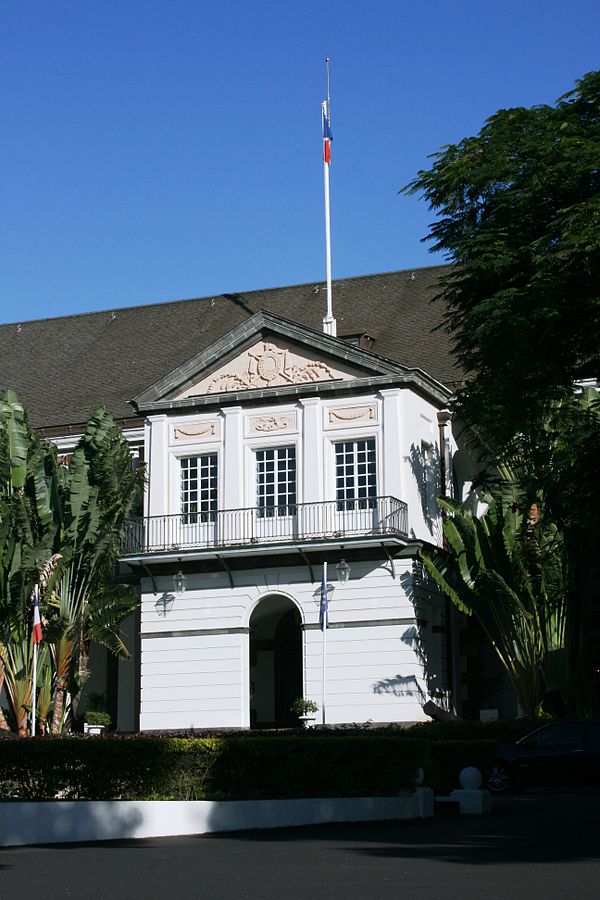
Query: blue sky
(163, 150)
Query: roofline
(224, 295)
(241, 336)
(414, 379)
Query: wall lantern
(343, 571)
(179, 581)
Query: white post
(33, 692)
(324, 617)
(34, 686)
(329, 323)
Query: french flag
(327, 135)
(324, 606)
(37, 622)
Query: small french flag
(324, 606)
(327, 135)
(37, 622)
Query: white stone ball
(470, 779)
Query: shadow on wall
(424, 461)
(164, 604)
(400, 686)
(65, 822)
(422, 640)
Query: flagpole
(35, 659)
(329, 323)
(324, 617)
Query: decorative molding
(268, 424)
(368, 623)
(202, 430)
(269, 367)
(193, 632)
(352, 415)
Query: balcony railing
(332, 520)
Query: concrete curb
(63, 821)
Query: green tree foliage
(519, 215)
(507, 568)
(98, 492)
(60, 527)
(520, 568)
(27, 532)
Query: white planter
(308, 719)
(93, 729)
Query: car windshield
(557, 735)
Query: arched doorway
(275, 662)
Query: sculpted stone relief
(268, 364)
(269, 367)
(351, 415)
(268, 424)
(200, 431)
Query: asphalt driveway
(540, 845)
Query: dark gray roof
(62, 368)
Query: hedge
(228, 768)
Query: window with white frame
(198, 488)
(355, 474)
(276, 481)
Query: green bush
(503, 732)
(97, 717)
(319, 767)
(230, 768)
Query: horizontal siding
(218, 688)
(152, 669)
(359, 641)
(372, 673)
(185, 684)
(407, 712)
(197, 680)
(371, 593)
(167, 719)
(208, 704)
(191, 681)
(164, 648)
(365, 671)
(192, 655)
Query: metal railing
(330, 520)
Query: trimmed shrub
(230, 768)
(503, 732)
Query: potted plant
(305, 710)
(96, 721)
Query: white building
(271, 450)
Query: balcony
(302, 523)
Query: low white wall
(61, 821)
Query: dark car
(560, 753)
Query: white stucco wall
(403, 424)
(194, 647)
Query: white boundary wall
(61, 821)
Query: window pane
(355, 469)
(276, 480)
(198, 487)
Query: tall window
(198, 488)
(355, 474)
(276, 481)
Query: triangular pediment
(264, 353)
(270, 363)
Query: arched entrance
(275, 662)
